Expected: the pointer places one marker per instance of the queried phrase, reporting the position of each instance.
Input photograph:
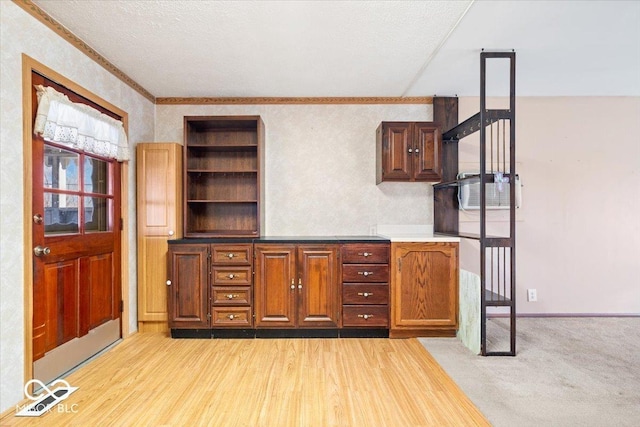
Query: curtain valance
(79, 126)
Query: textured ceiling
(359, 48)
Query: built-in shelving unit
(222, 181)
(496, 162)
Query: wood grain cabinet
(408, 151)
(231, 280)
(224, 165)
(365, 285)
(296, 286)
(159, 217)
(424, 289)
(188, 286)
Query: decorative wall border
(63, 32)
(294, 100)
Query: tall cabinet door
(159, 198)
(275, 286)
(188, 286)
(317, 286)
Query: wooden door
(76, 241)
(318, 286)
(397, 149)
(425, 285)
(426, 161)
(159, 197)
(188, 287)
(275, 286)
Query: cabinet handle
(171, 233)
(417, 150)
(232, 296)
(168, 282)
(365, 254)
(231, 317)
(229, 256)
(299, 283)
(365, 294)
(365, 273)
(410, 151)
(231, 276)
(293, 285)
(365, 316)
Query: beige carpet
(568, 372)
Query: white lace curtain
(79, 126)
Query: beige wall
(20, 33)
(578, 231)
(320, 166)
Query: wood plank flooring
(152, 380)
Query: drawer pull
(365, 254)
(231, 276)
(232, 296)
(229, 255)
(365, 294)
(365, 273)
(365, 316)
(231, 317)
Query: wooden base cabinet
(365, 285)
(424, 289)
(296, 286)
(188, 286)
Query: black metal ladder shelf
(497, 253)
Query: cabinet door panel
(427, 153)
(319, 303)
(275, 287)
(425, 285)
(396, 142)
(188, 293)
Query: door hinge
(399, 264)
(121, 224)
(208, 315)
(121, 306)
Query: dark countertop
(287, 239)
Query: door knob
(37, 219)
(40, 251)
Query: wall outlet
(532, 295)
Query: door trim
(28, 66)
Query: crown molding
(63, 32)
(293, 100)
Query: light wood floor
(152, 380)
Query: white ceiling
(359, 48)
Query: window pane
(60, 169)
(95, 176)
(96, 214)
(60, 213)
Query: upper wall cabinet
(408, 151)
(224, 166)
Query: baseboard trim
(503, 315)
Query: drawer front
(354, 273)
(231, 295)
(232, 254)
(232, 316)
(231, 276)
(363, 293)
(365, 253)
(365, 315)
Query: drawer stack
(365, 285)
(231, 278)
